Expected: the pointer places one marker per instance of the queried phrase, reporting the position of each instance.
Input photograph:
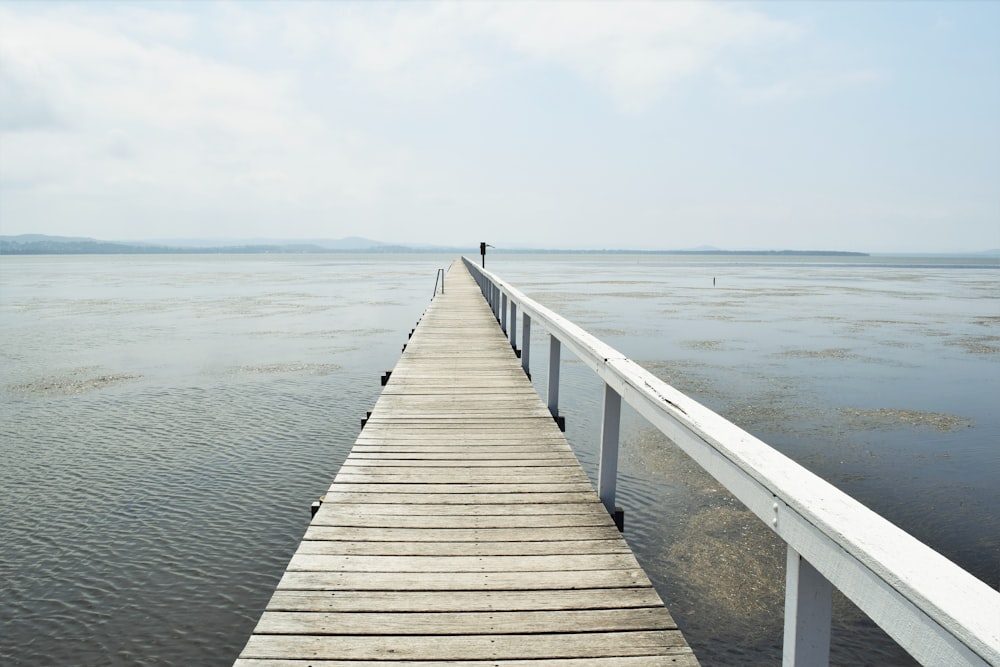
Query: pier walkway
(461, 529)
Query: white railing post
(607, 471)
(555, 349)
(526, 343)
(808, 600)
(503, 313)
(513, 324)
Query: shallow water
(168, 420)
(881, 375)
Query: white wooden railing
(935, 610)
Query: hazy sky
(840, 125)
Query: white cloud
(636, 52)
(430, 121)
(99, 72)
(420, 51)
(135, 94)
(807, 85)
(141, 114)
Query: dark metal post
(482, 251)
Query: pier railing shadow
(935, 610)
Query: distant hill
(348, 243)
(710, 251)
(40, 244)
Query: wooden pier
(462, 530)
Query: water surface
(167, 421)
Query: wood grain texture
(462, 531)
(679, 657)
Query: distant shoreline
(264, 250)
(39, 244)
(56, 245)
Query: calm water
(168, 420)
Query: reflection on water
(168, 421)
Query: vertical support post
(607, 471)
(555, 349)
(503, 313)
(526, 343)
(513, 324)
(808, 605)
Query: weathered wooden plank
(390, 433)
(419, 477)
(506, 487)
(463, 463)
(459, 475)
(363, 450)
(465, 601)
(461, 581)
(420, 444)
(306, 562)
(485, 389)
(454, 440)
(471, 458)
(463, 623)
(501, 447)
(436, 548)
(464, 459)
(395, 401)
(334, 495)
(473, 406)
(456, 416)
(429, 423)
(418, 464)
(499, 423)
(516, 521)
(547, 534)
(675, 657)
(466, 647)
(594, 508)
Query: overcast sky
(854, 126)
